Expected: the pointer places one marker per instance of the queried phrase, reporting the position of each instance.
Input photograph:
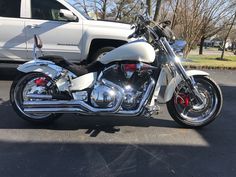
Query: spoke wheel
(184, 109)
(32, 83)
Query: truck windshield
(77, 5)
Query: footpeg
(150, 110)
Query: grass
(210, 61)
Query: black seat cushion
(78, 70)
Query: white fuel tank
(134, 51)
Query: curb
(209, 67)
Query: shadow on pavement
(10, 120)
(91, 159)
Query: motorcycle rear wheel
(184, 112)
(19, 88)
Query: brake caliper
(183, 99)
(40, 81)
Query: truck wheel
(100, 53)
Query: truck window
(46, 10)
(10, 8)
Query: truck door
(59, 36)
(12, 36)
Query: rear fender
(177, 79)
(47, 67)
(43, 66)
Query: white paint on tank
(138, 50)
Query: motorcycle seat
(78, 70)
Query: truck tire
(100, 52)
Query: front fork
(191, 84)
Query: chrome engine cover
(103, 96)
(130, 97)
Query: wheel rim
(27, 87)
(196, 114)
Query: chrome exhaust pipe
(37, 96)
(81, 107)
(54, 110)
(77, 104)
(51, 104)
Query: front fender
(176, 80)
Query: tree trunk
(104, 10)
(157, 10)
(227, 35)
(201, 45)
(223, 51)
(186, 51)
(149, 6)
(174, 15)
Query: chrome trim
(53, 110)
(79, 104)
(81, 107)
(142, 104)
(38, 96)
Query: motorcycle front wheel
(184, 109)
(29, 84)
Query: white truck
(63, 28)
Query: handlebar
(142, 27)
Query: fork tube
(180, 69)
(173, 56)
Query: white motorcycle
(124, 82)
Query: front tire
(182, 109)
(20, 87)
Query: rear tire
(214, 100)
(17, 97)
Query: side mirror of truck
(68, 15)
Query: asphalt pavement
(76, 146)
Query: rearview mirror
(179, 45)
(68, 15)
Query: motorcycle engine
(103, 96)
(133, 78)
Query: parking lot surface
(76, 146)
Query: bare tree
(149, 6)
(213, 19)
(157, 10)
(190, 22)
(175, 11)
(125, 10)
(227, 35)
(101, 7)
(199, 19)
(232, 37)
(154, 6)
